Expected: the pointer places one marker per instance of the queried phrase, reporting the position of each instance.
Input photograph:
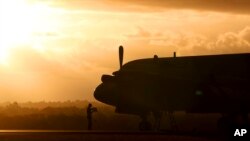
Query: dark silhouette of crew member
(90, 110)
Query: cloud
(232, 6)
(245, 34)
(192, 44)
(141, 33)
(241, 6)
(232, 42)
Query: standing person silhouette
(90, 110)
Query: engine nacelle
(107, 78)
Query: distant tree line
(69, 115)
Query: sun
(19, 20)
(15, 26)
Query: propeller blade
(121, 55)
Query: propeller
(121, 56)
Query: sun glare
(18, 22)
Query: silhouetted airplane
(195, 84)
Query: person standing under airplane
(90, 110)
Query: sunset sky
(56, 50)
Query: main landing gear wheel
(145, 126)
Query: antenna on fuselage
(121, 51)
(174, 54)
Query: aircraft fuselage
(200, 84)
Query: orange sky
(58, 49)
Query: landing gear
(157, 116)
(223, 124)
(145, 125)
(173, 123)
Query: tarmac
(79, 135)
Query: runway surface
(78, 135)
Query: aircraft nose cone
(105, 93)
